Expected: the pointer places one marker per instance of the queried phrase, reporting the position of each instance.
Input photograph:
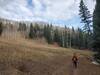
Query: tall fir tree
(58, 37)
(62, 39)
(48, 33)
(1, 28)
(31, 32)
(96, 28)
(36, 30)
(85, 17)
(66, 37)
(69, 37)
(80, 41)
(22, 27)
(73, 38)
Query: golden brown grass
(28, 57)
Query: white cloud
(90, 4)
(43, 10)
(57, 9)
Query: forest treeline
(62, 36)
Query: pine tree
(69, 37)
(48, 33)
(85, 17)
(44, 31)
(96, 28)
(1, 28)
(62, 39)
(22, 27)
(36, 30)
(80, 38)
(31, 32)
(73, 37)
(51, 33)
(66, 37)
(58, 37)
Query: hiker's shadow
(73, 70)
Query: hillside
(27, 57)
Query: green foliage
(81, 39)
(64, 37)
(1, 28)
(35, 31)
(22, 27)
(56, 35)
(48, 33)
(31, 33)
(73, 37)
(96, 27)
(85, 17)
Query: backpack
(74, 58)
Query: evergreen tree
(51, 33)
(69, 37)
(48, 33)
(85, 17)
(1, 28)
(77, 38)
(66, 37)
(31, 32)
(80, 41)
(73, 37)
(22, 27)
(62, 39)
(36, 30)
(96, 27)
(44, 31)
(58, 37)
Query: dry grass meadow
(27, 57)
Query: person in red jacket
(75, 60)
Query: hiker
(75, 60)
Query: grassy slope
(24, 57)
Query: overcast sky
(61, 12)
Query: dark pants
(75, 64)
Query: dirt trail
(59, 70)
(75, 72)
(66, 68)
(85, 67)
